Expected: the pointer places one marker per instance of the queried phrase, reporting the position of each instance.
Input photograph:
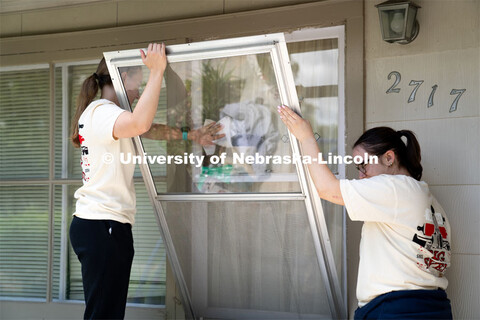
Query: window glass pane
(67, 157)
(23, 241)
(334, 218)
(393, 23)
(24, 124)
(152, 145)
(243, 258)
(67, 277)
(148, 275)
(315, 70)
(239, 92)
(58, 124)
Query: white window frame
(311, 34)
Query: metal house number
(417, 83)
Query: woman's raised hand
(298, 126)
(155, 59)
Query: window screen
(243, 240)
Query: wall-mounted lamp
(398, 20)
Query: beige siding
(247, 5)
(70, 18)
(460, 205)
(444, 25)
(446, 53)
(26, 5)
(131, 12)
(10, 24)
(451, 69)
(464, 284)
(450, 150)
(43, 17)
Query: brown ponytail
(87, 94)
(379, 140)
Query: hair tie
(95, 75)
(402, 134)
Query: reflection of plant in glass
(180, 114)
(219, 88)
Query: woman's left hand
(298, 126)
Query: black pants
(105, 251)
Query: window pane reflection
(315, 71)
(241, 94)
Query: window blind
(23, 241)
(24, 124)
(24, 155)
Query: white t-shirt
(399, 249)
(108, 192)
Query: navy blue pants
(407, 304)
(105, 251)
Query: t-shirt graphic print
(432, 236)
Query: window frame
(38, 181)
(274, 44)
(319, 33)
(52, 181)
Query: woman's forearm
(326, 184)
(146, 107)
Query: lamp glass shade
(411, 23)
(398, 21)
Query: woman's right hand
(298, 126)
(155, 59)
(132, 124)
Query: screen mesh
(242, 259)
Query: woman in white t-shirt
(101, 230)
(406, 240)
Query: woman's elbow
(144, 128)
(331, 192)
(323, 193)
(139, 125)
(134, 129)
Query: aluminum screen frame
(275, 45)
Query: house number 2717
(416, 84)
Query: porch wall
(446, 53)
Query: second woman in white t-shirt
(406, 242)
